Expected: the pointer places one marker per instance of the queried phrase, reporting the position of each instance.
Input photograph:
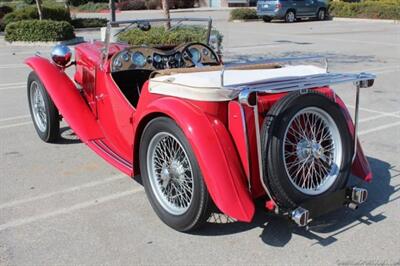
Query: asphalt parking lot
(62, 204)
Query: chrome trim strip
(247, 145)
(288, 84)
(102, 146)
(259, 155)
(356, 111)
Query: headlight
(138, 59)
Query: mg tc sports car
(203, 134)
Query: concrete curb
(74, 41)
(245, 20)
(394, 21)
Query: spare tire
(306, 146)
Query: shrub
(83, 2)
(243, 13)
(6, 9)
(386, 9)
(39, 30)
(89, 22)
(93, 7)
(30, 12)
(132, 5)
(153, 4)
(158, 35)
(29, 2)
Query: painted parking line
(364, 132)
(12, 84)
(376, 111)
(12, 88)
(76, 207)
(16, 125)
(380, 116)
(67, 190)
(14, 118)
(12, 66)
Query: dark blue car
(290, 10)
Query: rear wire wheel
(171, 176)
(307, 148)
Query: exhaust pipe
(300, 216)
(359, 195)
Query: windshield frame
(107, 41)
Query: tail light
(278, 5)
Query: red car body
(103, 119)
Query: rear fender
(67, 98)
(360, 167)
(215, 153)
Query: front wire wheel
(44, 113)
(307, 148)
(171, 176)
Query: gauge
(138, 59)
(196, 55)
(178, 56)
(125, 57)
(117, 64)
(149, 59)
(157, 58)
(205, 51)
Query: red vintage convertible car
(203, 134)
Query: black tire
(51, 131)
(321, 14)
(290, 16)
(199, 209)
(273, 133)
(266, 19)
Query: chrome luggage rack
(248, 93)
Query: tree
(39, 8)
(165, 7)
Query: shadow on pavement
(67, 136)
(278, 231)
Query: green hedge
(39, 31)
(158, 35)
(385, 9)
(92, 7)
(243, 14)
(88, 22)
(30, 12)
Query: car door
(310, 7)
(299, 6)
(115, 117)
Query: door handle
(100, 97)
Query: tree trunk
(66, 5)
(39, 8)
(165, 6)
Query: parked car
(290, 10)
(202, 134)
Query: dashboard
(152, 58)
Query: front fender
(215, 153)
(67, 98)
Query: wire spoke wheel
(312, 151)
(38, 107)
(170, 173)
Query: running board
(110, 156)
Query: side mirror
(61, 55)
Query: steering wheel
(192, 53)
